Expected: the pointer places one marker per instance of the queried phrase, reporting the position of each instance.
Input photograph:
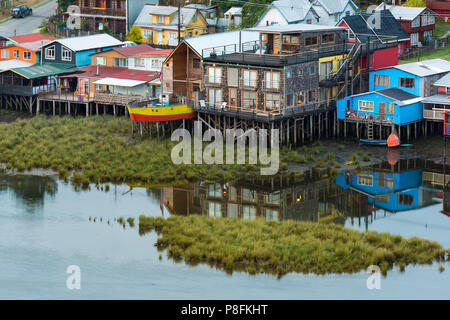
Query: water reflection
(29, 191)
(356, 197)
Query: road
(28, 24)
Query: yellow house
(327, 67)
(159, 24)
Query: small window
(311, 41)
(300, 96)
(196, 63)
(407, 83)
(249, 78)
(272, 101)
(26, 55)
(448, 90)
(313, 70)
(406, 199)
(365, 180)
(233, 77)
(160, 19)
(5, 54)
(50, 53)
(248, 195)
(214, 75)
(382, 81)
(328, 38)
(66, 54)
(312, 96)
(120, 62)
(273, 79)
(365, 106)
(100, 61)
(249, 100)
(139, 62)
(288, 74)
(16, 53)
(390, 107)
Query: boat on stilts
(153, 112)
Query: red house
(418, 22)
(386, 38)
(440, 7)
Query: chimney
(97, 70)
(267, 23)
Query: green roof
(43, 70)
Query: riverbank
(283, 247)
(103, 150)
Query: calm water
(45, 227)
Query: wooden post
(38, 106)
(54, 108)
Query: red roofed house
(440, 7)
(32, 37)
(25, 48)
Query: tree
(135, 34)
(252, 11)
(64, 4)
(415, 3)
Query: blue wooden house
(392, 106)
(416, 78)
(391, 191)
(77, 50)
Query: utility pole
(179, 21)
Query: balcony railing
(369, 117)
(436, 114)
(110, 12)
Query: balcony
(435, 114)
(104, 12)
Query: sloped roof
(119, 82)
(397, 94)
(13, 63)
(426, 68)
(292, 10)
(220, 39)
(34, 46)
(117, 73)
(145, 20)
(403, 12)
(336, 6)
(389, 28)
(134, 50)
(155, 52)
(31, 38)
(48, 69)
(234, 11)
(294, 28)
(102, 40)
(444, 81)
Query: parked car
(21, 11)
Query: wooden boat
(374, 142)
(153, 113)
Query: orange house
(27, 51)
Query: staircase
(370, 130)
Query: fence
(416, 52)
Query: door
(276, 43)
(159, 37)
(382, 110)
(233, 98)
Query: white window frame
(97, 59)
(146, 33)
(273, 79)
(415, 23)
(139, 62)
(366, 106)
(214, 97)
(5, 54)
(49, 50)
(16, 53)
(160, 19)
(414, 38)
(272, 104)
(365, 180)
(214, 75)
(249, 78)
(66, 54)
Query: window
(407, 83)
(405, 199)
(414, 39)
(249, 78)
(390, 107)
(415, 23)
(273, 80)
(300, 72)
(300, 98)
(100, 61)
(448, 90)
(232, 210)
(288, 74)
(291, 39)
(5, 54)
(196, 63)
(233, 77)
(249, 100)
(214, 75)
(424, 20)
(50, 53)
(312, 96)
(233, 97)
(214, 209)
(66, 54)
(431, 19)
(382, 81)
(249, 213)
(271, 215)
(214, 97)
(272, 198)
(156, 64)
(26, 55)
(248, 195)
(365, 180)
(365, 106)
(328, 38)
(139, 62)
(311, 41)
(390, 183)
(351, 35)
(272, 101)
(214, 190)
(147, 34)
(120, 62)
(312, 71)
(160, 19)
(98, 87)
(16, 53)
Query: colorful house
(159, 24)
(332, 11)
(283, 12)
(441, 7)
(416, 78)
(418, 22)
(447, 124)
(28, 51)
(118, 57)
(390, 191)
(392, 105)
(78, 50)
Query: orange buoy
(393, 141)
(393, 156)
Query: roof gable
(95, 41)
(335, 6)
(292, 10)
(403, 12)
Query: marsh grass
(261, 246)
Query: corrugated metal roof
(293, 10)
(335, 6)
(403, 12)
(102, 40)
(34, 46)
(134, 50)
(13, 63)
(294, 28)
(145, 17)
(234, 11)
(119, 82)
(48, 69)
(444, 81)
(31, 38)
(220, 39)
(397, 94)
(437, 99)
(426, 68)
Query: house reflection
(28, 190)
(354, 197)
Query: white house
(233, 16)
(332, 11)
(283, 12)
